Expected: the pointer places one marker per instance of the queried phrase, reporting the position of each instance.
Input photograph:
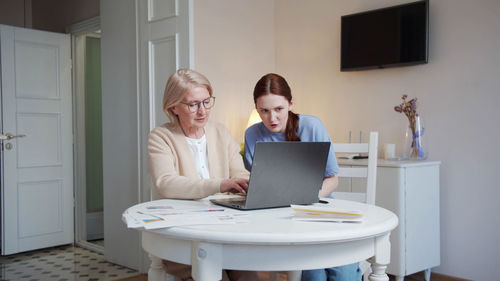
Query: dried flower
(409, 108)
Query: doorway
(86, 54)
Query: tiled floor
(65, 263)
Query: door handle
(10, 136)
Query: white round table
(272, 241)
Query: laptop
(283, 173)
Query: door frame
(85, 27)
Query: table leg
(381, 259)
(378, 273)
(295, 275)
(206, 261)
(156, 270)
(428, 274)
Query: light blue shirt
(310, 129)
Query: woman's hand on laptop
(238, 185)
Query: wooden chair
(368, 172)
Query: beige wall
(458, 93)
(57, 15)
(48, 15)
(12, 12)
(234, 47)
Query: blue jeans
(350, 272)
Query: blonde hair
(177, 86)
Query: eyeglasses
(195, 106)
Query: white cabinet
(410, 189)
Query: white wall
(234, 47)
(458, 93)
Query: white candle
(389, 151)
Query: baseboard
(140, 277)
(420, 276)
(95, 225)
(442, 277)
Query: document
(320, 212)
(154, 217)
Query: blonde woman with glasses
(191, 157)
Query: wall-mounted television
(387, 37)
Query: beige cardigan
(172, 165)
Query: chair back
(362, 171)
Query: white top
(275, 226)
(199, 150)
(271, 240)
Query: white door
(160, 37)
(37, 169)
(165, 46)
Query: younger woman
(273, 101)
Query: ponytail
(292, 126)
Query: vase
(416, 149)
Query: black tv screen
(393, 36)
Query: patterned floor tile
(65, 263)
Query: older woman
(191, 158)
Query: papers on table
(153, 217)
(320, 212)
(347, 155)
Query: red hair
(275, 84)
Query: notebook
(283, 173)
